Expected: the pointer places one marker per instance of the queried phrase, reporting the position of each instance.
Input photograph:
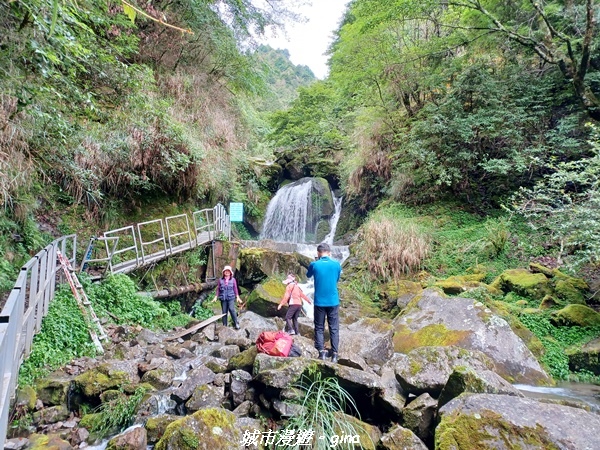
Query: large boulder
(427, 369)
(253, 324)
(258, 264)
(489, 421)
(131, 439)
(586, 357)
(523, 282)
(400, 438)
(112, 374)
(465, 379)
(265, 298)
(566, 288)
(369, 338)
(418, 417)
(207, 429)
(433, 319)
(576, 315)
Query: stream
(581, 392)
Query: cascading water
(289, 213)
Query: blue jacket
(326, 272)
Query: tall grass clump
(392, 247)
(118, 413)
(323, 405)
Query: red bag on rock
(274, 343)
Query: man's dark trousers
(333, 321)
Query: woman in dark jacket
(228, 293)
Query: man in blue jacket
(326, 272)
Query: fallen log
(196, 327)
(179, 290)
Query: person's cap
(227, 268)
(290, 278)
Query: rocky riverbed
(439, 375)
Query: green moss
(460, 283)
(579, 315)
(156, 426)
(548, 302)
(243, 360)
(26, 396)
(90, 421)
(523, 282)
(487, 431)
(567, 291)
(406, 340)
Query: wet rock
(585, 358)
(399, 438)
(156, 403)
(195, 377)
(465, 379)
(205, 396)
(488, 421)
(159, 378)
(226, 351)
(209, 429)
(132, 439)
(418, 416)
(427, 369)
(239, 386)
(435, 320)
(156, 426)
(369, 338)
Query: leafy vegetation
(322, 403)
(118, 413)
(63, 336)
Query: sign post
(236, 212)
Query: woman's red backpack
(274, 343)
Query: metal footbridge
(122, 250)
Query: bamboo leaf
(129, 11)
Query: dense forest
(465, 132)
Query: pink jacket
(294, 295)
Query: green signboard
(236, 212)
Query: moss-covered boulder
(465, 379)
(524, 283)
(205, 396)
(157, 425)
(432, 319)
(401, 292)
(461, 283)
(243, 360)
(132, 439)
(355, 431)
(370, 338)
(566, 289)
(47, 442)
(418, 416)
(26, 397)
(578, 315)
(586, 357)
(265, 298)
(400, 438)
(160, 378)
(489, 421)
(53, 389)
(109, 375)
(259, 263)
(208, 429)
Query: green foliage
(322, 402)
(118, 413)
(556, 340)
(200, 312)
(64, 335)
(565, 205)
(116, 298)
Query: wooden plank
(196, 327)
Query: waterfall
(289, 213)
(337, 203)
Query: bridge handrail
(28, 301)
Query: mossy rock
(433, 335)
(47, 442)
(91, 420)
(524, 283)
(26, 397)
(109, 375)
(578, 315)
(159, 378)
(586, 357)
(461, 283)
(265, 298)
(568, 291)
(157, 425)
(259, 264)
(548, 302)
(53, 390)
(213, 428)
(243, 360)
(364, 435)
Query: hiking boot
(323, 354)
(291, 333)
(334, 357)
(237, 326)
